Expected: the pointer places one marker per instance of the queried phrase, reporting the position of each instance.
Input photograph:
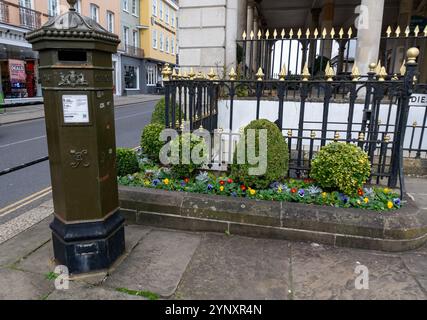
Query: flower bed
(300, 191)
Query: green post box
(77, 80)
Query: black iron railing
(296, 48)
(371, 111)
(29, 18)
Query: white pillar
(369, 36)
(249, 28)
(231, 30)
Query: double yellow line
(24, 202)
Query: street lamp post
(77, 79)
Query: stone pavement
(189, 265)
(31, 112)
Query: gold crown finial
(305, 73)
(382, 74)
(412, 55)
(355, 73)
(211, 74)
(232, 74)
(260, 75)
(282, 74)
(166, 72)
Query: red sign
(17, 70)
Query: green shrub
(342, 167)
(150, 141)
(277, 156)
(158, 115)
(126, 162)
(187, 141)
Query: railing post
(166, 73)
(408, 86)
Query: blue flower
(156, 182)
(183, 183)
(275, 185)
(397, 202)
(301, 193)
(210, 187)
(344, 198)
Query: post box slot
(72, 56)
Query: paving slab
(157, 263)
(20, 285)
(233, 267)
(23, 244)
(322, 272)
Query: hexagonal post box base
(90, 246)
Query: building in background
(158, 39)
(131, 54)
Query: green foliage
(158, 115)
(341, 166)
(150, 142)
(184, 165)
(126, 162)
(146, 294)
(277, 157)
(51, 276)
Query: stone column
(369, 38)
(231, 30)
(328, 14)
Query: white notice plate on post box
(418, 100)
(76, 108)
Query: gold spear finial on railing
(355, 73)
(192, 74)
(316, 33)
(251, 36)
(211, 74)
(259, 34)
(307, 33)
(416, 31)
(350, 32)
(260, 75)
(324, 33)
(425, 31)
(174, 74)
(398, 31)
(341, 33)
(267, 34)
(166, 72)
(244, 35)
(232, 74)
(407, 31)
(403, 68)
(299, 33)
(382, 75)
(329, 73)
(283, 73)
(412, 55)
(378, 67)
(389, 31)
(291, 34)
(332, 33)
(179, 74)
(305, 73)
(283, 33)
(275, 34)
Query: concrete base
(87, 247)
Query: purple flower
(344, 198)
(210, 187)
(183, 183)
(156, 182)
(301, 193)
(397, 202)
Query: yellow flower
(390, 205)
(324, 194)
(253, 192)
(366, 200)
(166, 181)
(386, 190)
(221, 188)
(146, 182)
(279, 190)
(359, 202)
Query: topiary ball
(341, 167)
(126, 162)
(150, 140)
(277, 156)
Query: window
(53, 9)
(135, 38)
(26, 3)
(94, 12)
(167, 44)
(167, 14)
(126, 36)
(134, 8)
(173, 18)
(155, 39)
(161, 10)
(154, 7)
(151, 75)
(173, 46)
(79, 6)
(110, 21)
(126, 5)
(131, 77)
(161, 41)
